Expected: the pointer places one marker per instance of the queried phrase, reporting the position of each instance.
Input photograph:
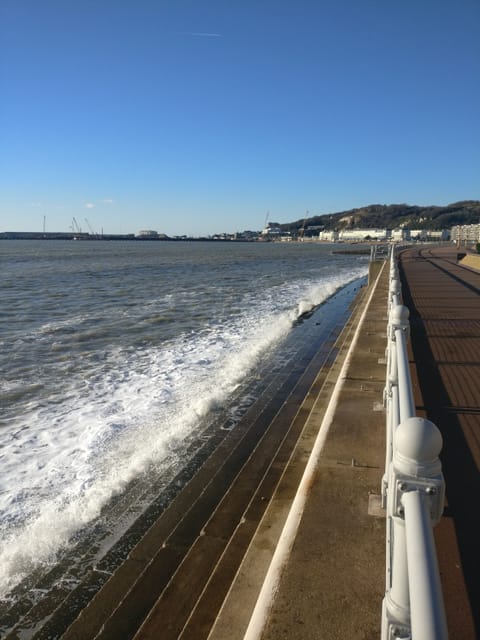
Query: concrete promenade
(330, 581)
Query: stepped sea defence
(121, 362)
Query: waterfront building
(400, 235)
(328, 236)
(438, 236)
(358, 235)
(466, 234)
(418, 234)
(148, 234)
(272, 229)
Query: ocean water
(116, 355)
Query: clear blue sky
(192, 117)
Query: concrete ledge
(472, 261)
(333, 583)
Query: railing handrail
(413, 490)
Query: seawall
(316, 566)
(472, 261)
(197, 567)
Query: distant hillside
(392, 216)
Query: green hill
(391, 216)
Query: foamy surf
(126, 408)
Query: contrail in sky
(203, 35)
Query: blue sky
(193, 117)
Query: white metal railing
(413, 491)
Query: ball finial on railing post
(416, 465)
(395, 285)
(419, 440)
(399, 316)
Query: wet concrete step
(218, 523)
(116, 599)
(209, 569)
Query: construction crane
(302, 229)
(264, 231)
(75, 228)
(90, 227)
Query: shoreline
(161, 508)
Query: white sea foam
(63, 459)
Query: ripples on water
(113, 354)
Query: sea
(118, 358)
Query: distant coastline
(82, 237)
(31, 235)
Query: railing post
(396, 604)
(394, 291)
(419, 479)
(413, 601)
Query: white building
(439, 236)
(400, 235)
(466, 233)
(328, 236)
(272, 229)
(418, 234)
(358, 235)
(394, 235)
(147, 234)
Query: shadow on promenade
(459, 465)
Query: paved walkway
(443, 298)
(333, 581)
(332, 584)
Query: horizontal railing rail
(413, 491)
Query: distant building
(418, 234)
(466, 233)
(438, 236)
(393, 235)
(328, 236)
(400, 235)
(272, 229)
(148, 234)
(358, 235)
